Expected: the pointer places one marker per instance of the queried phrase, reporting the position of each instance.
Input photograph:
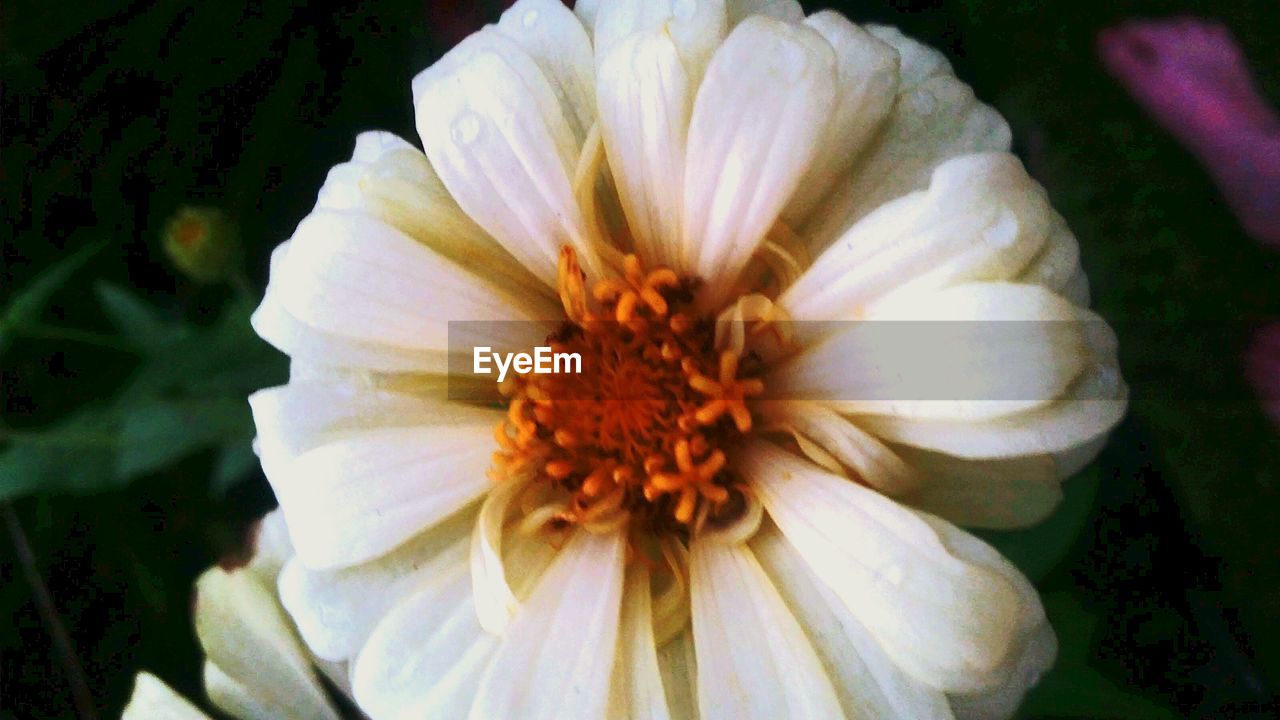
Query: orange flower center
(637, 437)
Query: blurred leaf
(1038, 549)
(140, 323)
(156, 433)
(187, 394)
(1073, 687)
(25, 306)
(235, 461)
(77, 454)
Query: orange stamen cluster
(638, 435)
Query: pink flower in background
(1191, 76)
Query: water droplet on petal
(530, 18)
(466, 128)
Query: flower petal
(756, 126)
(350, 275)
(740, 10)
(1002, 494)
(424, 659)
(556, 658)
(357, 497)
(982, 218)
(870, 460)
(645, 96)
(556, 40)
(237, 699)
(392, 181)
(497, 134)
(244, 631)
(968, 352)
(306, 343)
(152, 699)
(870, 685)
(1070, 428)
(935, 120)
(636, 691)
(301, 416)
(867, 82)
(1035, 646)
(754, 660)
(918, 62)
(946, 621)
(679, 666)
(335, 610)
(696, 29)
(1057, 267)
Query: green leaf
(156, 433)
(1037, 550)
(235, 461)
(187, 394)
(26, 304)
(77, 454)
(1073, 687)
(142, 324)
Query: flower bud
(203, 243)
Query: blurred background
(125, 466)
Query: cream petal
(496, 602)
(335, 610)
(272, 547)
(918, 62)
(246, 634)
(237, 699)
(392, 181)
(1036, 646)
(754, 660)
(968, 352)
(931, 122)
(946, 621)
(645, 96)
(1002, 703)
(496, 133)
(870, 460)
(867, 82)
(557, 41)
(301, 416)
(1002, 494)
(152, 699)
(982, 218)
(679, 666)
(1082, 417)
(424, 659)
(694, 28)
(1058, 263)
(350, 275)
(636, 691)
(556, 658)
(740, 10)
(357, 497)
(587, 11)
(869, 684)
(304, 342)
(757, 124)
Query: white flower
(730, 516)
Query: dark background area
(1161, 571)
